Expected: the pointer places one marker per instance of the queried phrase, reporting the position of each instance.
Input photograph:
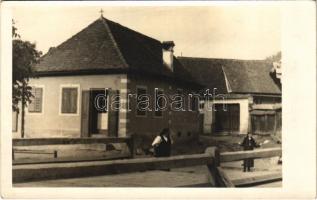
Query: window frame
(136, 102)
(154, 115)
(182, 94)
(43, 97)
(195, 103)
(77, 86)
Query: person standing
(162, 144)
(248, 144)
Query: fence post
(215, 156)
(218, 176)
(214, 152)
(130, 144)
(55, 154)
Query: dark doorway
(98, 111)
(113, 112)
(227, 118)
(97, 117)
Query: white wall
(244, 114)
(50, 123)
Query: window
(264, 121)
(201, 105)
(180, 100)
(142, 101)
(158, 103)
(194, 103)
(69, 101)
(36, 105)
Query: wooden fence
(22, 173)
(66, 141)
(241, 155)
(256, 154)
(211, 158)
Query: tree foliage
(24, 56)
(274, 58)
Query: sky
(239, 32)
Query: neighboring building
(276, 73)
(107, 58)
(246, 97)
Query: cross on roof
(101, 12)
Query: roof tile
(244, 76)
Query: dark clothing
(248, 144)
(163, 149)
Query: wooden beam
(258, 180)
(131, 146)
(257, 153)
(212, 175)
(59, 141)
(70, 159)
(222, 179)
(53, 152)
(24, 173)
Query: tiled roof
(244, 76)
(90, 49)
(106, 46)
(207, 73)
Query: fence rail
(257, 153)
(65, 141)
(23, 173)
(69, 141)
(224, 181)
(211, 158)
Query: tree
(274, 58)
(24, 56)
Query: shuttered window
(264, 122)
(69, 100)
(36, 105)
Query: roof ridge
(229, 88)
(134, 30)
(205, 58)
(149, 51)
(116, 46)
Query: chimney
(168, 53)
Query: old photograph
(146, 96)
(128, 96)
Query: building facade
(106, 66)
(244, 96)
